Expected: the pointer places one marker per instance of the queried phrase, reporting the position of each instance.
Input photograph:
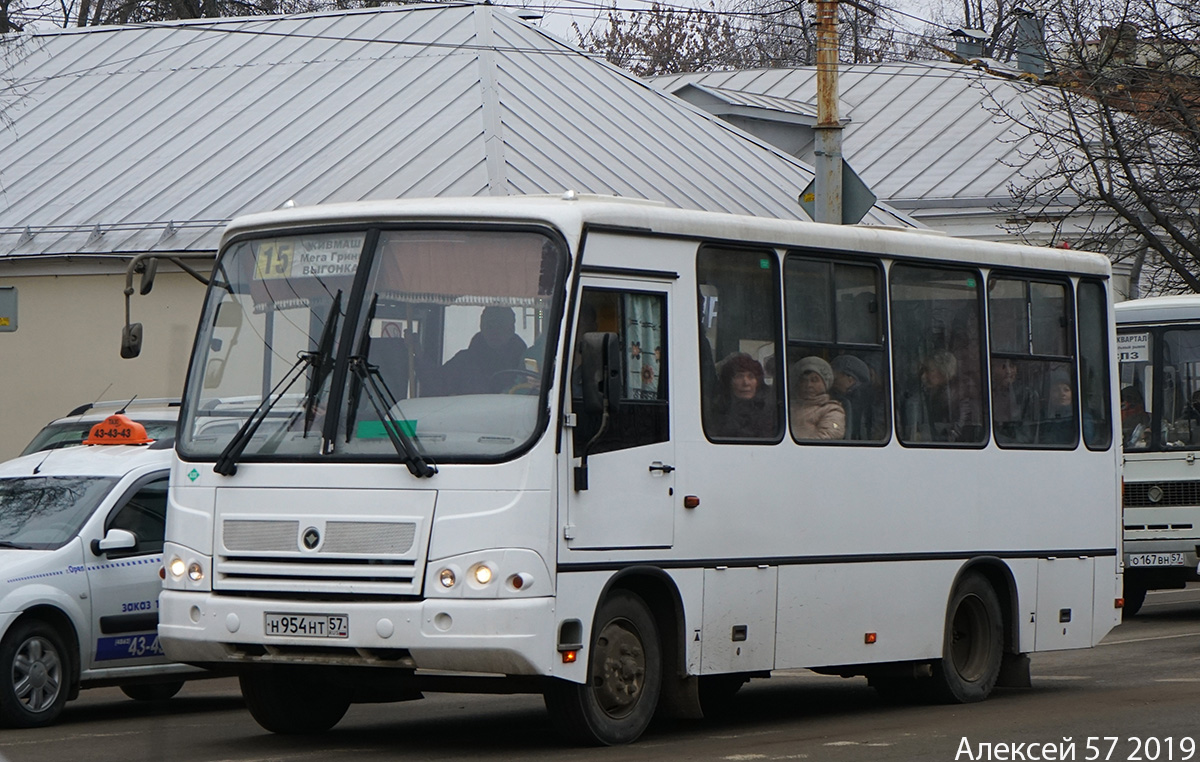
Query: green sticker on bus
(375, 429)
(764, 263)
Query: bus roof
(1158, 309)
(570, 213)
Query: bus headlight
(195, 571)
(446, 578)
(482, 574)
(176, 567)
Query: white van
(81, 537)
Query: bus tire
(292, 701)
(973, 646)
(36, 668)
(1134, 595)
(625, 671)
(152, 691)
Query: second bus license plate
(1157, 559)
(307, 625)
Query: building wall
(66, 349)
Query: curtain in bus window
(643, 335)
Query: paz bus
(1158, 349)
(630, 457)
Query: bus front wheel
(625, 677)
(973, 644)
(293, 701)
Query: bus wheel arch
(634, 649)
(977, 634)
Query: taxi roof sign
(118, 429)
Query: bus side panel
(827, 610)
(1064, 614)
(579, 593)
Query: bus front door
(624, 496)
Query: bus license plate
(1157, 559)
(307, 625)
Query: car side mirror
(114, 539)
(601, 372)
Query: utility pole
(828, 164)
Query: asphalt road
(1142, 682)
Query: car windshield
(438, 353)
(45, 512)
(72, 433)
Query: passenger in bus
(813, 412)
(942, 408)
(1135, 421)
(746, 406)
(1058, 426)
(1014, 404)
(479, 369)
(852, 387)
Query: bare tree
(1120, 116)
(664, 40)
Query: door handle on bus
(658, 465)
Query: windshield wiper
(319, 360)
(322, 361)
(356, 384)
(226, 464)
(14, 545)
(382, 400)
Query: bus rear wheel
(293, 701)
(625, 678)
(973, 644)
(1135, 596)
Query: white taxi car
(81, 537)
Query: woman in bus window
(814, 413)
(745, 408)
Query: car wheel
(152, 691)
(34, 689)
(625, 677)
(294, 701)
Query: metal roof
(150, 137)
(923, 134)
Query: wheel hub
(621, 672)
(37, 674)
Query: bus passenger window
(739, 340)
(837, 380)
(1033, 368)
(1094, 400)
(938, 354)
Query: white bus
(1158, 348)
(630, 457)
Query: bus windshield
(1160, 380)
(439, 350)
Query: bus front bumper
(497, 636)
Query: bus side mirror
(601, 372)
(131, 340)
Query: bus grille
(1169, 494)
(353, 558)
